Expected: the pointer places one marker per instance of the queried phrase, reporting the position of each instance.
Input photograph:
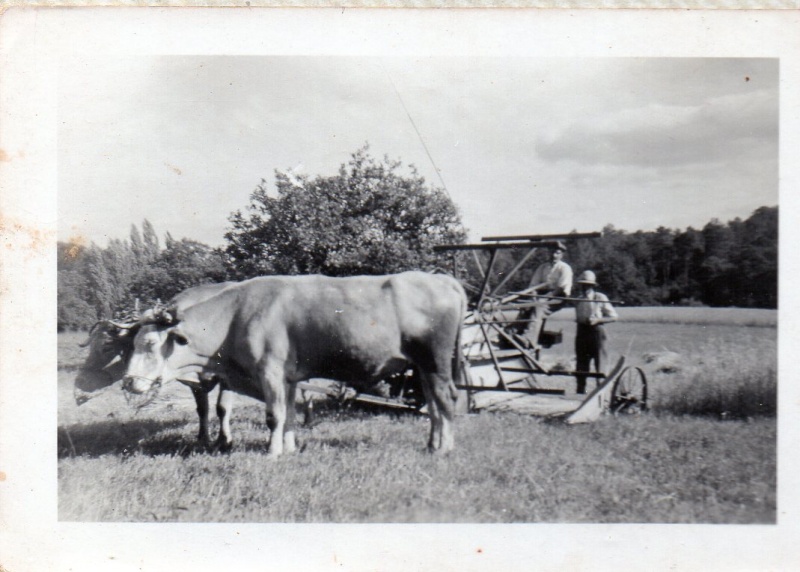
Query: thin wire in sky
(414, 125)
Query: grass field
(706, 453)
(700, 315)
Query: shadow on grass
(69, 367)
(145, 436)
(178, 437)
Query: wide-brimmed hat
(587, 277)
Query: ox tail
(460, 368)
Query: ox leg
(441, 397)
(433, 413)
(308, 408)
(289, 439)
(274, 388)
(201, 399)
(224, 410)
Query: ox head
(110, 347)
(159, 350)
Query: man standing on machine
(591, 312)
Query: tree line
(721, 264)
(374, 217)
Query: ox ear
(116, 331)
(167, 316)
(122, 333)
(178, 337)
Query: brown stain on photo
(174, 169)
(76, 245)
(15, 233)
(5, 157)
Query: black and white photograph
(486, 288)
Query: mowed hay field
(706, 453)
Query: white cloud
(735, 127)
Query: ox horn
(121, 325)
(106, 322)
(94, 327)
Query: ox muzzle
(140, 391)
(137, 384)
(81, 396)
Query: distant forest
(722, 264)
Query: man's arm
(539, 279)
(608, 313)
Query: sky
(522, 145)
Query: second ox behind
(110, 347)
(266, 334)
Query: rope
(427, 151)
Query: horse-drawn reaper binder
(501, 361)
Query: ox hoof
(289, 442)
(439, 451)
(223, 447)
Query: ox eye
(180, 339)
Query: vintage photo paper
(529, 120)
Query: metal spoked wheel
(630, 392)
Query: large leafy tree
(369, 218)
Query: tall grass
(726, 369)
(724, 382)
(720, 371)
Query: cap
(560, 246)
(587, 277)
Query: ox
(111, 346)
(276, 331)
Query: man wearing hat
(553, 278)
(591, 312)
